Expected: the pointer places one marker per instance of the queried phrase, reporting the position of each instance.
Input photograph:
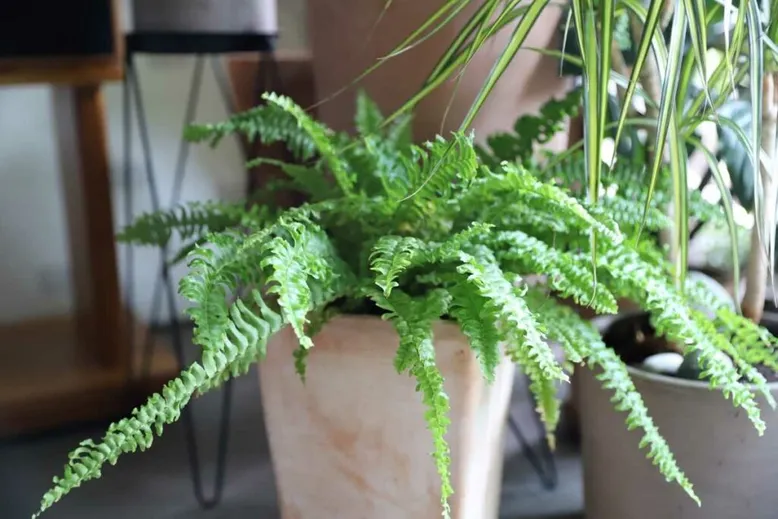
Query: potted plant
(730, 466)
(440, 245)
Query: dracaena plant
(661, 73)
(416, 234)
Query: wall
(34, 266)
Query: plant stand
(180, 44)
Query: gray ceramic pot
(733, 470)
(205, 16)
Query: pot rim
(602, 322)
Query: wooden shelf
(45, 383)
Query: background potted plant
(731, 468)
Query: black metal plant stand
(199, 45)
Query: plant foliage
(417, 233)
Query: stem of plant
(756, 272)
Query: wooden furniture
(63, 369)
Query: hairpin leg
(164, 284)
(547, 471)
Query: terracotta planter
(205, 16)
(346, 41)
(732, 469)
(351, 443)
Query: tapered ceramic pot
(352, 443)
(733, 470)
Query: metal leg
(548, 473)
(165, 283)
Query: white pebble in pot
(664, 363)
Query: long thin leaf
(727, 204)
(722, 80)
(650, 34)
(517, 39)
(619, 79)
(478, 20)
(446, 13)
(756, 78)
(667, 126)
(696, 19)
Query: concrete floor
(157, 485)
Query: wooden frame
(70, 70)
(62, 369)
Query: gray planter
(732, 469)
(205, 16)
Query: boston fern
(415, 234)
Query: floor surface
(157, 484)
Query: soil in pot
(635, 340)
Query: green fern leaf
(269, 123)
(673, 318)
(582, 342)
(526, 343)
(393, 255)
(413, 321)
(137, 431)
(477, 320)
(189, 220)
(320, 136)
(368, 119)
(569, 274)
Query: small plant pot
(351, 442)
(733, 470)
(205, 16)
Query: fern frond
(269, 123)
(673, 318)
(394, 255)
(569, 274)
(582, 343)
(305, 179)
(526, 343)
(434, 168)
(529, 131)
(288, 275)
(321, 138)
(137, 431)
(368, 118)
(412, 318)
(189, 220)
(514, 184)
(301, 261)
(472, 312)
